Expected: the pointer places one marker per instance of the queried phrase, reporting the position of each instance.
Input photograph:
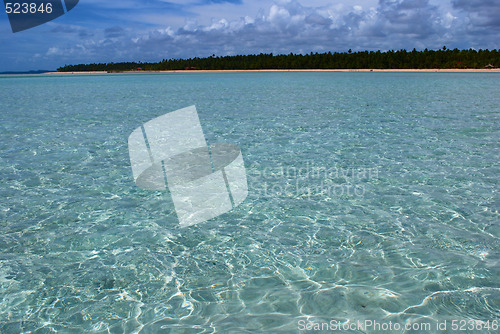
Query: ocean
(373, 200)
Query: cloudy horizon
(132, 30)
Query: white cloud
(281, 26)
(289, 26)
(53, 51)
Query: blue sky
(152, 30)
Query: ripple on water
(84, 250)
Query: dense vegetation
(401, 59)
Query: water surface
(372, 196)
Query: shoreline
(480, 70)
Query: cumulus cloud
(289, 26)
(480, 14)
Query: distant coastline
(425, 60)
(468, 70)
(24, 72)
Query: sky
(151, 30)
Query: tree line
(401, 59)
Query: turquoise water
(372, 196)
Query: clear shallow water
(372, 196)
